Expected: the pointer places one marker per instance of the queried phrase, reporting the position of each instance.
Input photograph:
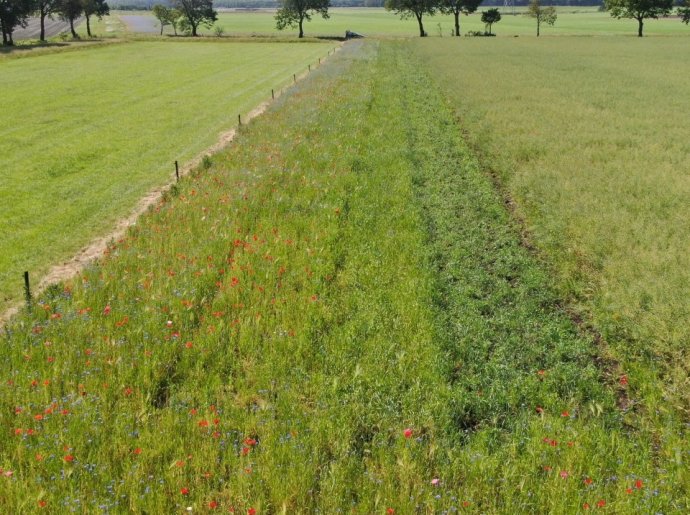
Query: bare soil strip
(97, 247)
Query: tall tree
(163, 14)
(417, 8)
(541, 14)
(70, 10)
(98, 8)
(489, 17)
(684, 12)
(639, 10)
(457, 7)
(13, 13)
(196, 12)
(45, 9)
(294, 12)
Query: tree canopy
(70, 10)
(98, 8)
(541, 14)
(293, 13)
(638, 10)
(45, 9)
(166, 16)
(684, 12)
(13, 13)
(196, 12)
(416, 8)
(457, 7)
(489, 17)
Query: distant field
(379, 22)
(591, 137)
(84, 134)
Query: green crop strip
(334, 314)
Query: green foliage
(413, 8)
(541, 14)
(70, 10)
(639, 10)
(13, 13)
(293, 13)
(45, 9)
(489, 17)
(684, 12)
(196, 13)
(165, 16)
(97, 8)
(457, 7)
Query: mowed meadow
(84, 134)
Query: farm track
(95, 249)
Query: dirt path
(95, 249)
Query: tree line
(16, 13)
(639, 10)
(188, 15)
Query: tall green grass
(593, 149)
(335, 314)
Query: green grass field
(594, 150)
(379, 22)
(104, 125)
(335, 314)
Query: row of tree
(633, 9)
(186, 15)
(16, 13)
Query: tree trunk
(301, 31)
(457, 22)
(421, 27)
(538, 27)
(194, 34)
(43, 26)
(71, 27)
(4, 34)
(88, 25)
(639, 28)
(161, 28)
